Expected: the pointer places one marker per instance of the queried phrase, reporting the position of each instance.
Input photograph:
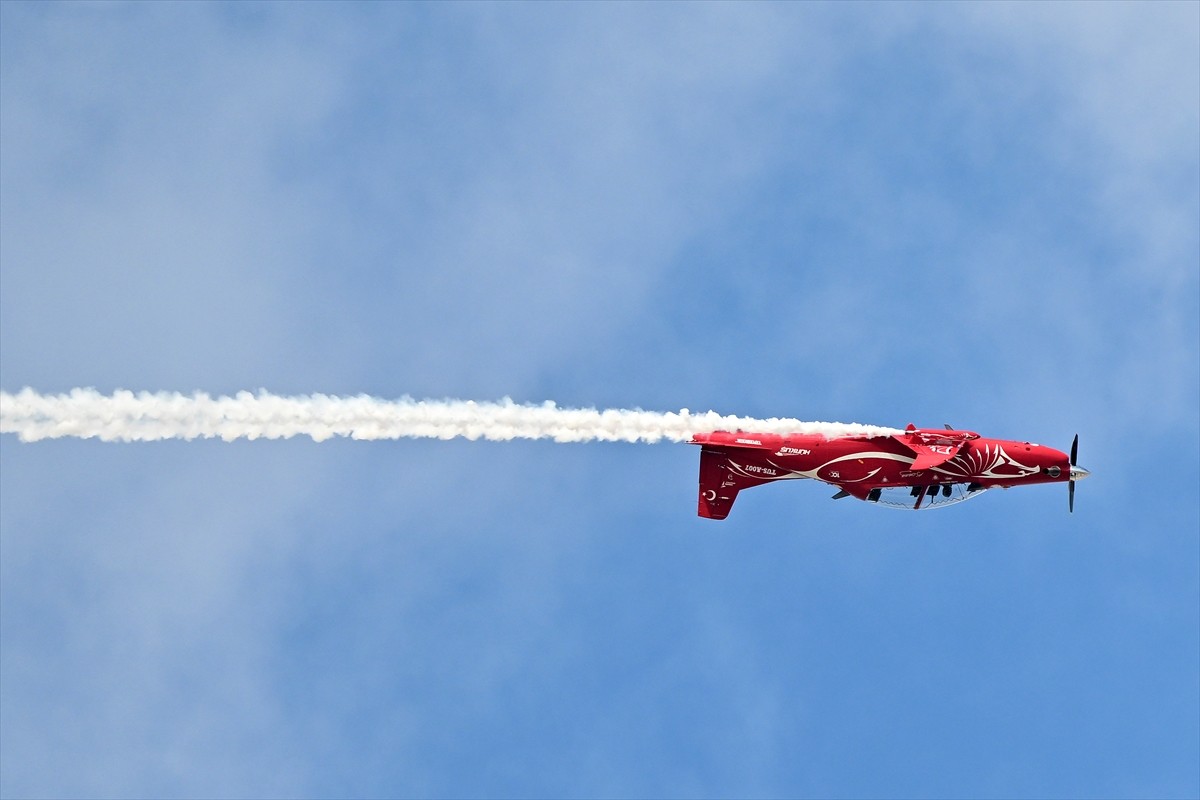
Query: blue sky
(977, 214)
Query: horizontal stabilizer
(852, 490)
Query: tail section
(719, 485)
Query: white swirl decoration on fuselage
(783, 473)
(983, 463)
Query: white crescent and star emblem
(709, 495)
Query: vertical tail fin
(719, 486)
(717, 490)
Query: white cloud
(458, 202)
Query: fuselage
(884, 461)
(942, 465)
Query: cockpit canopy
(936, 496)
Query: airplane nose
(1079, 473)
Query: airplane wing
(933, 448)
(929, 456)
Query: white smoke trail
(128, 417)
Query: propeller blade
(1071, 483)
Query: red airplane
(919, 468)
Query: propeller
(1077, 474)
(1071, 482)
